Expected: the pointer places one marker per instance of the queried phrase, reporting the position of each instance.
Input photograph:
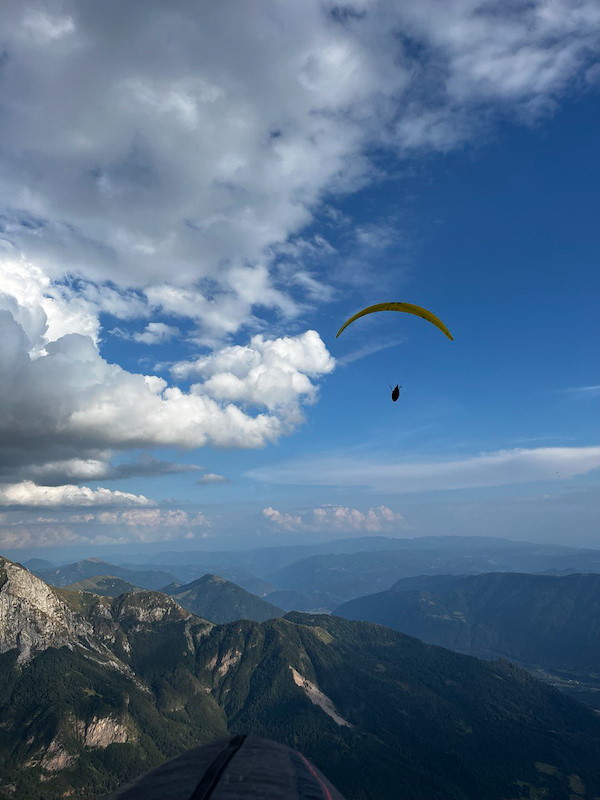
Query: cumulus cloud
(29, 494)
(351, 519)
(335, 518)
(271, 373)
(44, 310)
(500, 468)
(287, 522)
(64, 407)
(156, 333)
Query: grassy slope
(535, 619)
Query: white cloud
(28, 494)
(67, 405)
(100, 527)
(44, 310)
(156, 333)
(336, 518)
(500, 468)
(212, 478)
(128, 159)
(101, 469)
(271, 373)
(287, 522)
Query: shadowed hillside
(218, 600)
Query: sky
(195, 197)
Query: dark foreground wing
(236, 768)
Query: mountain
(492, 553)
(104, 585)
(291, 600)
(329, 580)
(95, 689)
(537, 619)
(256, 586)
(94, 567)
(262, 560)
(38, 563)
(333, 579)
(78, 718)
(327, 574)
(218, 600)
(541, 621)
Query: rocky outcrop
(32, 616)
(135, 610)
(52, 758)
(102, 731)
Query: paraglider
(408, 308)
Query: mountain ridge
(95, 567)
(220, 600)
(382, 714)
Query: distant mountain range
(492, 554)
(95, 689)
(330, 579)
(291, 600)
(552, 622)
(537, 619)
(218, 600)
(94, 567)
(319, 577)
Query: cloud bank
(503, 467)
(30, 495)
(97, 526)
(335, 519)
(180, 170)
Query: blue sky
(213, 228)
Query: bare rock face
(52, 758)
(32, 616)
(135, 611)
(102, 731)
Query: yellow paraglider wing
(409, 308)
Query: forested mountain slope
(548, 620)
(95, 689)
(218, 600)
